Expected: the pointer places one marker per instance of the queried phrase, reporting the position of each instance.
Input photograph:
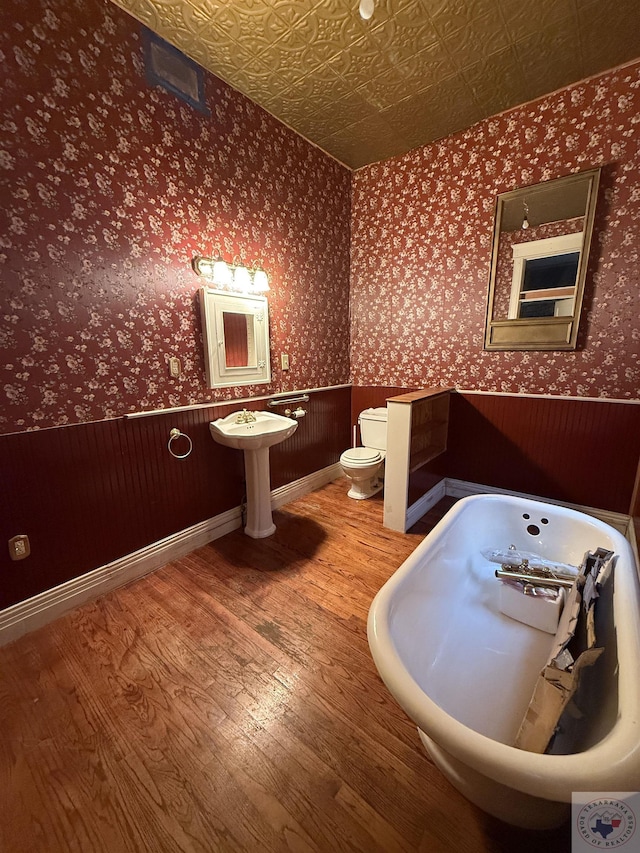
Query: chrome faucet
(246, 417)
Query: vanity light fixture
(525, 220)
(232, 276)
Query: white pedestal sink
(255, 438)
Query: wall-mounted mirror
(541, 242)
(235, 329)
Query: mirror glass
(235, 330)
(541, 242)
(239, 340)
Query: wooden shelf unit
(417, 429)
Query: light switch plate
(175, 368)
(284, 360)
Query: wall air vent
(168, 67)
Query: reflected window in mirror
(235, 329)
(541, 245)
(544, 277)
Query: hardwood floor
(228, 702)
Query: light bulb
(260, 281)
(242, 278)
(205, 267)
(366, 9)
(221, 272)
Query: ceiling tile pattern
(416, 71)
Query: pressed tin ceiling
(416, 71)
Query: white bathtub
(464, 672)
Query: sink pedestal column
(259, 519)
(254, 433)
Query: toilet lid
(362, 455)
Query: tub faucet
(246, 417)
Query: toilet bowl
(364, 466)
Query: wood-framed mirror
(541, 239)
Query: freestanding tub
(465, 673)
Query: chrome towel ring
(173, 435)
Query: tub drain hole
(533, 529)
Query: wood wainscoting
(228, 703)
(579, 451)
(90, 494)
(582, 452)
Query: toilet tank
(373, 427)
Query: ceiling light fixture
(366, 9)
(525, 220)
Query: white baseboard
(299, 488)
(26, 616)
(46, 606)
(425, 503)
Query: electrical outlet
(284, 361)
(19, 547)
(175, 368)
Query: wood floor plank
(324, 692)
(350, 683)
(171, 741)
(229, 702)
(238, 729)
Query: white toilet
(364, 466)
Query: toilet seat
(361, 457)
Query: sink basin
(255, 438)
(266, 430)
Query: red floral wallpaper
(421, 248)
(109, 187)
